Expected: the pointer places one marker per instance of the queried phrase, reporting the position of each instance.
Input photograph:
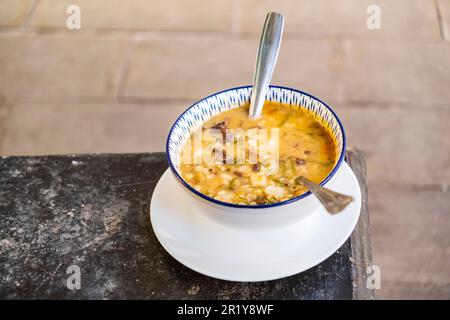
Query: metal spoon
(333, 202)
(269, 46)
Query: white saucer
(223, 252)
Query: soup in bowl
(231, 163)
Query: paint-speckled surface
(92, 211)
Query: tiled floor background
(118, 83)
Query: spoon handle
(269, 46)
(333, 202)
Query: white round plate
(228, 253)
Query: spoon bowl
(334, 202)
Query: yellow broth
(305, 148)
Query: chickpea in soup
(242, 170)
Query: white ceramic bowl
(251, 216)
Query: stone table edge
(360, 239)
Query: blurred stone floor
(117, 84)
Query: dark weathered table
(88, 215)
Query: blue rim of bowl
(257, 206)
